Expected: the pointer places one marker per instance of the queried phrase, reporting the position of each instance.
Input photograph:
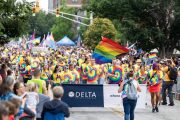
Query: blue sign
(83, 95)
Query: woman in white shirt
(129, 102)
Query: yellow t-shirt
(166, 73)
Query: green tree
(63, 26)
(151, 24)
(41, 23)
(13, 17)
(100, 27)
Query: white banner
(39, 49)
(113, 99)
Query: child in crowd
(32, 96)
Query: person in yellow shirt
(56, 76)
(102, 73)
(66, 75)
(167, 84)
(75, 74)
(84, 71)
(93, 72)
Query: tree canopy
(100, 27)
(151, 24)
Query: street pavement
(166, 113)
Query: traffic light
(57, 12)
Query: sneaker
(157, 109)
(163, 103)
(171, 104)
(153, 110)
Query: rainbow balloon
(92, 75)
(117, 71)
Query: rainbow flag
(108, 49)
(50, 41)
(152, 56)
(36, 40)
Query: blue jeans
(129, 106)
(167, 85)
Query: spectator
(36, 79)
(13, 106)
(55, 108)
(6, 89)
(6, 93)
(32, 96)
(1, 80)
(3, 71)
(4, 112)
(39, 107)
(19, 90)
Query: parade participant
(66, 75)
(27, 73)
(93, 72)
(102, 73)
(114, 73)
(45, 73)
(137, 65)
(154, 79)
(84, 71)
(129, 103)
(75, 74)
(56, 76)
(140, 76)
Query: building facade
(53, 4)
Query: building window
(74, 1)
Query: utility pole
(91, 17)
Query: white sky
(43, 4)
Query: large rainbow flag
(108, 49)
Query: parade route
(166, 113)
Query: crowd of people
(27, 79)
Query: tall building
(53, 4)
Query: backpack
(131, 90)
(173, 73)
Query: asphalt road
(166, 113)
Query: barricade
(79, 95)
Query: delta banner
(98, 96)
(83, 95)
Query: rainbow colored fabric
(106, 50)
(152, 56)
(116, 71)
